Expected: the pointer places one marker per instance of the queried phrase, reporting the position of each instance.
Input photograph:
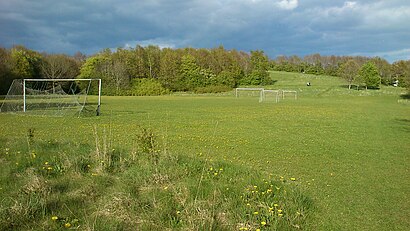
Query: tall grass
(55, 185)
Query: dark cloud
(279, 27)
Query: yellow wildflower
(292, 178)
(54, 218)
(263, 223)
(67, 225)
(255, 213)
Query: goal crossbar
(289, 91)
(279, 93)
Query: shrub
(147, 87)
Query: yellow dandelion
(280, 214)
(215, 173)
(292, 178)
(248, 204)
(276, 205)
(54, 218)
(270, 209)
(263, 223)
(258, 230)
(280, 210)
(67, 225)
(49, 168)
(46, 163)
(255, 213)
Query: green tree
(401, 72)
(6, 76)
(169, 75)
(259, 61)
(385, 70)
(370, 75)
(259, 74)
(191, 73)
(349, 71)
(25, 63)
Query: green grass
(347, 149)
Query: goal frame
(261, 91)
(290, 91)
(277, 95)
(61, 80)
(24, 95)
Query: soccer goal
(56, 97)
(289, 92)
(250, 92)
(272, 95)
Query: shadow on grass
(404, 124)
(360, 88)
(405, 96)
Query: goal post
(53, 96)
(276, 93)
(260, 90)
(291, 92)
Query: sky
(278, 27)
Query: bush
(142, 87)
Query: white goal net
(253, 92)
(56, 97)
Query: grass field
(336, 159)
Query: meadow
(334, 159)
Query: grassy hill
(334, 159)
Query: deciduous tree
(349, 71)
(370, 75)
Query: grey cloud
(277, 26)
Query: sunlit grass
(341, 154)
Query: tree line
(356, 70)
(152, 70)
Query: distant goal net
(250, 92)
(266, 95)
(56, 97)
